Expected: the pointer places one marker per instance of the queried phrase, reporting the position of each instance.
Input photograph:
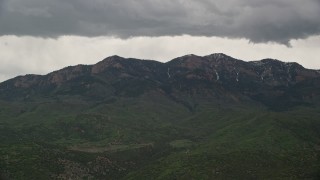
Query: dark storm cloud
(256, 20)
(1, 5)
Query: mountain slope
(213, 74)
(192, 117)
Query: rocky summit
(194, 117)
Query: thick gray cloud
(256, 20)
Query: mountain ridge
(211, 117)
(215, 55)
(263, 81)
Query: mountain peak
(269, 60)
(214, 56)
(188, 56)
(112, 58)
(111, 61)
(219, 56)
(276, 63)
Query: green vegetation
(153, 137)
(132, 119)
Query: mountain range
(194, 117)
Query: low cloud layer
(256, 20)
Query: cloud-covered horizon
(34, 55)
(256, 20)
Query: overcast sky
(38, 36)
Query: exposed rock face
(26, 81)
(68, 74)
(110, 62)
(216, 74)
